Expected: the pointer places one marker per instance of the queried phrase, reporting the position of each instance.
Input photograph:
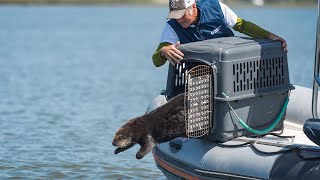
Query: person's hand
(171, 53)
(277, 38)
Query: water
(70, 76)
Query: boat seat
(312, 130)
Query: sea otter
(160, 125)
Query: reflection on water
(70, 76)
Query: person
(191, 21)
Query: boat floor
(290, 129)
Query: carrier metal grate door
(198, 101)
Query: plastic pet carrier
(227, 78)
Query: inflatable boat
(290, 151)
(289, 156)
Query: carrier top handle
(312, 126)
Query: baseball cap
(178, 8)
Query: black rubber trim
(289, 166)
(168, 172)
(201, 173)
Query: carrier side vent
(264, 73)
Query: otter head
(127, 136)
(122, 138)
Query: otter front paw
(140, 155)
(146, 143)
(119, 149)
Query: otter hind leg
(119, 150)
(146, 143)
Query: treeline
(162, 2)
(75, 1)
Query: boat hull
(200, 159)
(205, 159)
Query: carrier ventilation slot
(264, 73)
(179, 76)
(198, 101)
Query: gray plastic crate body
(256, 112)
(253, 73)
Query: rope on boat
(294, 149)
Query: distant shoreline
(142, 3)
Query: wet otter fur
(160, 125)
